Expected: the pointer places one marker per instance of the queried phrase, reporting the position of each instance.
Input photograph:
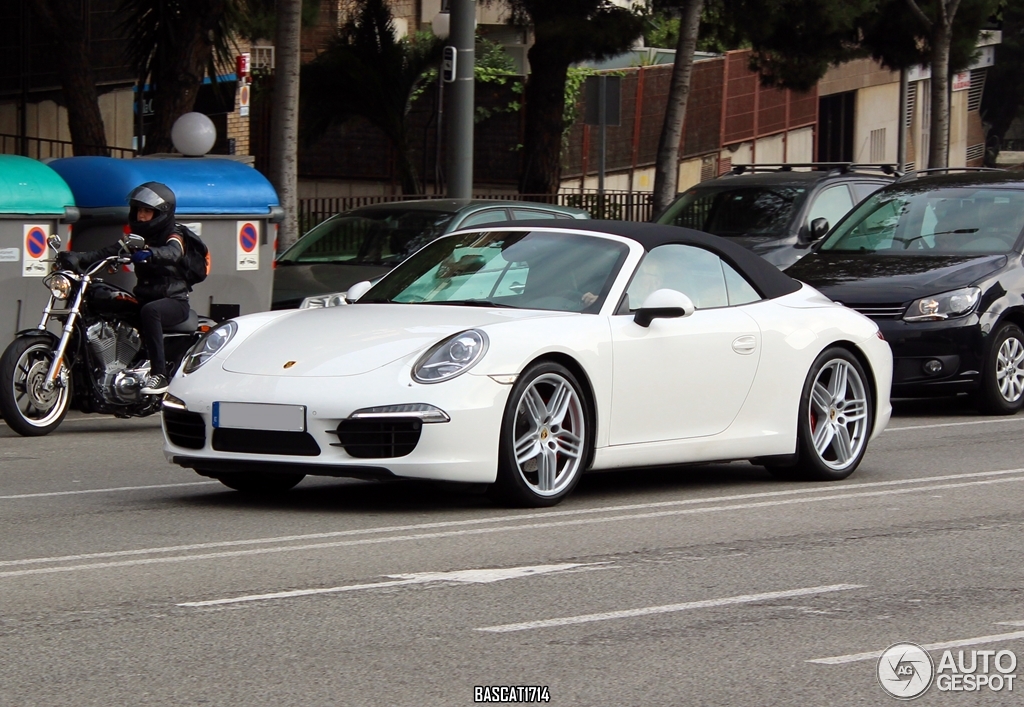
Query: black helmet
(156, 196)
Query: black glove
(68, 260)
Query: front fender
(24, 333)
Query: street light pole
(460, 122)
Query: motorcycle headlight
(59, 284)
(948, 305)
(451, 357)
(333, 299)
(208, 346)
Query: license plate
(260, 416)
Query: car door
(684, 377)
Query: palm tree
(285, 115)
(366, 72)
(175, 44)
(566, 32)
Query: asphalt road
(126, 581)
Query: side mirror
(357, 290)
(134, 241)
(819, 227)
(663, 304)
(53, 241)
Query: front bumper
(463, 449)
(957, 345)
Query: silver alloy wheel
(549, 434)
(1010, 369)
(38, 406)
(838, 414)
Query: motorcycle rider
(159, 268)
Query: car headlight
(957, 303)
(451, 357)
(333, 299)
(208, 346)
(59, 284)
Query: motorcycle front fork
(69, 328)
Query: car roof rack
(914, 174)
(832, 167)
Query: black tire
(259, 483)
(850, 416)
(27, 408)
(1002, 378)
(563, 446)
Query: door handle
(744, 344)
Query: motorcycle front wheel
(27, 406)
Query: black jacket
(159, 276)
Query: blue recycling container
(231, 206)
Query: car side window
(862, 190)
(488, 216)
(697, 273)
(739, 290)
(831, 204)
(531, 214)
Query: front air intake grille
(185, 429)
(300, 444)
(379, 439)
(879, 311)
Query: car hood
(353, 339)
(293, 283)
(849, 277)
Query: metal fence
(613, 205)
(43, 148)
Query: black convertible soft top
(765, 277)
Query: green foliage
(258, 18)
(366, 72)
(493, 65)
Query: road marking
(871, 655)
(109, 490)
(1009, 623)
(482, 576)
(478, 531)
(647, 611)
(955, 424)
(481, 521)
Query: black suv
(935, 260)
(776, 210)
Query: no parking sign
(32, 264)
(247, 245)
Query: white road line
(872, 655)
(956, 424)
(500, 529)
(1009, 623)
(491, 519)
(108, 490)
(647, 611)
(481, 576)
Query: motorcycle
(97, 364)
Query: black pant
(155, 316)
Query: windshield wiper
(474, 303)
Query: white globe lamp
(441, 25)
(193, 134)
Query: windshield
(940, 222)
(367, 237)
(736, 210)
(563, 272)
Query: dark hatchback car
(935, 260)
(777, 211)
(367, 242)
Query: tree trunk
(284, 122)
(182, 69)
(938, 150)
(64, 23)
(544, 123)
(666, 170)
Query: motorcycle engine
(114, 347)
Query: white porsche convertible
(521, 357)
